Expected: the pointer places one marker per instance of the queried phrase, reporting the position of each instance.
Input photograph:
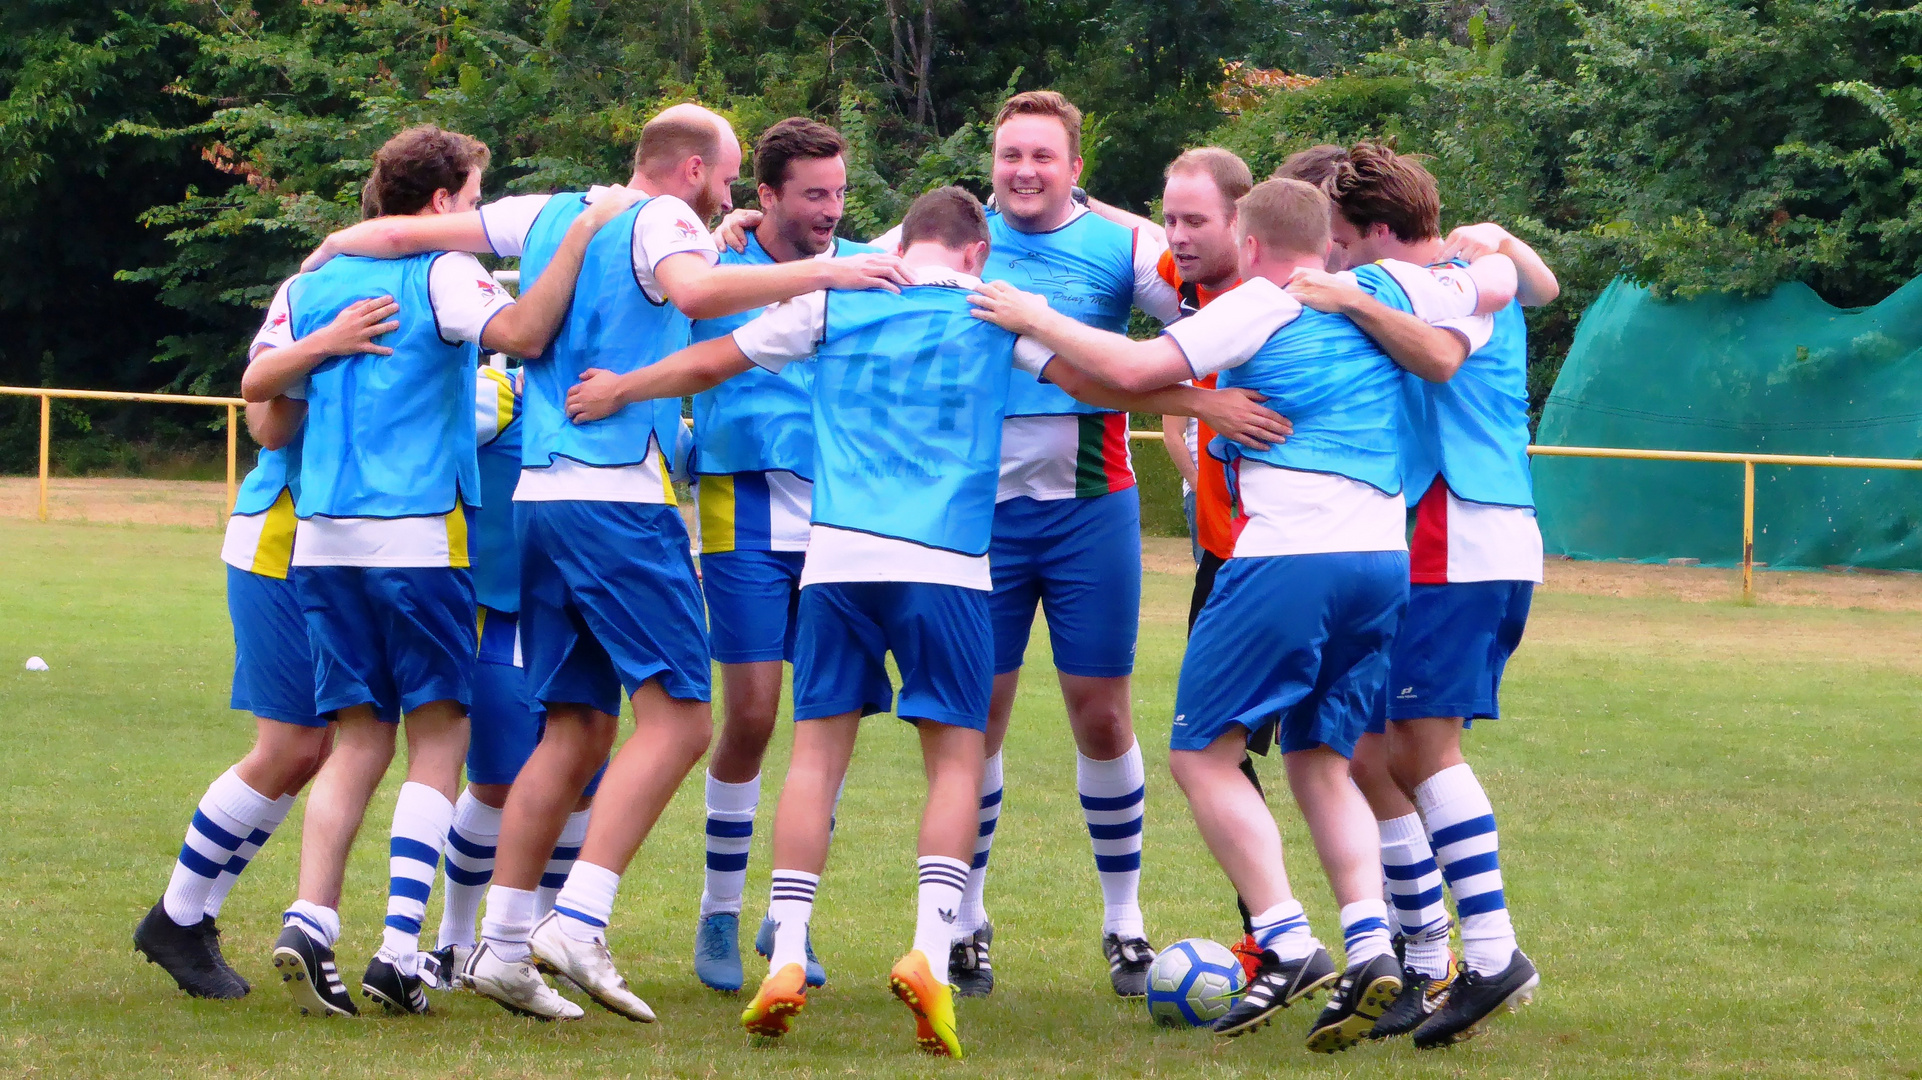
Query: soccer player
(609, 601)
(1474, 561)
(380, 554)
(754, 466)
(504, 723)
(273, 680)
(909, 394)
(1293, 642)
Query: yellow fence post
(46, 427)
(232, 443)
(1748, 530)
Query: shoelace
(1132, 951)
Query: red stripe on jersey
(1115, 462)
(1428, 550)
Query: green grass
(1709, 814)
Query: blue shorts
(273, 663)
(609, 601)
(753, 598)
(505, 724)
(394, 637)
(939, 636)
(1296, 645)
(1081, 560)
(1453, 648)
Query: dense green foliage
(163, 162)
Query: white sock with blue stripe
(730, 832)
(470, 868)
(1364, 931)
(586, 902)
(320, 924)
(973, 914)
(1112, 796)
(244, 854)
(422, 818)
(566, 850)
(1283, 930)
(1415, 895)
(1461, 826)
(790, 904)
(228, 815)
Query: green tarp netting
(1788, 374)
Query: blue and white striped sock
(1364, 931)
(937, 904)
(730, 832)
(320, 924)
(586, 902)
(1283, 930)
(1461, 826)
(566, 850)
(1415, 895)
(974, 915)
(471, 841)
(1112, 796)
(422, 818)
(244, 854)
(228, 815)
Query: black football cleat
(1363, 995)
(1420, 996)
(1277, 984)
(211, 931)
(1128, 960)
(307, 970)
(396, 993)
(188, 954)
(1475, 999)
(968, 968)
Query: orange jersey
(1214, 508)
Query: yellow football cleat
(782, 994)
(912, 980)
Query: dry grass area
(116, 501)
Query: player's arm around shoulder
(524, 328)
(1535, 283)
(1407, 330)
(673, 250)
(278, 362)
(1109, 360)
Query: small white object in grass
(34, 663)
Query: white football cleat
(588, 965)
(516, 987)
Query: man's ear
(443, 201)
(978, 256)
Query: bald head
(690, 152)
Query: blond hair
(1044, 103)
(1287, 216)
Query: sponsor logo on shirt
(487, 287)
(687, 229)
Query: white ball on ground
(34, 663)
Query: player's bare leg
(750, 702)
(952, 757)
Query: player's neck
(1421, 252)
(1280, 269)
(1047, 221)
(936, 256)
(777, 246)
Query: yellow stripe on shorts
(275, 552)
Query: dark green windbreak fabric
(1787, 374)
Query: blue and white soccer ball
(1193, 982)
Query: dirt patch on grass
(1796, 588)
(117, 501)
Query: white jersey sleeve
(465, 296)
(277, 329)
(1234, 326)
(1153, 294)
(1031, 356)
(785, 332)
(508, 221)
(1443, 296)
(667, 226)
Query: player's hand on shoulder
(609, 203)
(1237, 413)
(1471, 242)
(731, 234)
(596, 397)
(1322, 290)
(356, 327)
(868, 272)
(1008, 307)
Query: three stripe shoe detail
(307, 971)
(1277, 984)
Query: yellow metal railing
(1747, 461)
(46, 396)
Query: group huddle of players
(902, 448)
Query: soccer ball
(1193, 982)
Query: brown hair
(795, 137)
(1286, 215)
(410, 167)
(1313, 165)
(1376, 184)
(1229, 172)
(1044, 103)
(666, 141)
(949, 216)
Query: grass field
(1709, 814)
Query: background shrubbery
(162, 163)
